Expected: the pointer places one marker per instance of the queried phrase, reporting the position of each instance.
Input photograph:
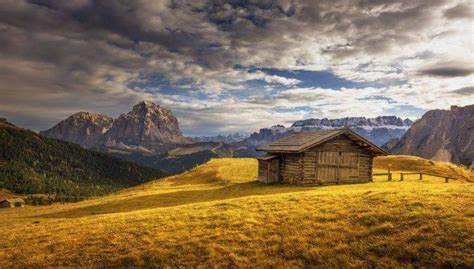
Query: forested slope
(30, 163)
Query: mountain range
(148, 143)
(147, 128)
(378, 130)
(150, 128)
(228, 139)
(150, 135)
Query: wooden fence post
(421, 176)
(446, 180)
(401, 176)
(389, 173)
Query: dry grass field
(218, 215)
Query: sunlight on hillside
(218, 215)
(404, 163)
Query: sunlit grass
(218, 215)
(404, 163)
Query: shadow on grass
(178, 198)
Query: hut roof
(301, 141)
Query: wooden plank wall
(291, 168)
(310, 161)
(313, 157)
(319, 164)
(262, 171)
(349, 166)
(328, 165)
(274, 170)
(365, 167)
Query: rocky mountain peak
(443, 135)
(145, 103)
(89, 116)
(144, 107)
(148, 126)
(83, 128)
(150, 111)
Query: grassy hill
(406, 163)
(30, 163)
(217, 215)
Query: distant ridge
(378, 130)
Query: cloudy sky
(226, 66)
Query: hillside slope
(30, 163)
(443, 135)
(217, 215)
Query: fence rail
(384, 174)
(420, 175)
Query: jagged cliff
(83, 128)
(148, 128)
(443, 135)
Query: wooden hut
(318, 157)
(12, 202)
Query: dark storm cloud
(57, 57)
(465, 91)
(188, 36)
(460, 11)
(448, 71)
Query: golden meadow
(218, 215)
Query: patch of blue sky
(322, 79)
(157, 83)
(316, 79)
